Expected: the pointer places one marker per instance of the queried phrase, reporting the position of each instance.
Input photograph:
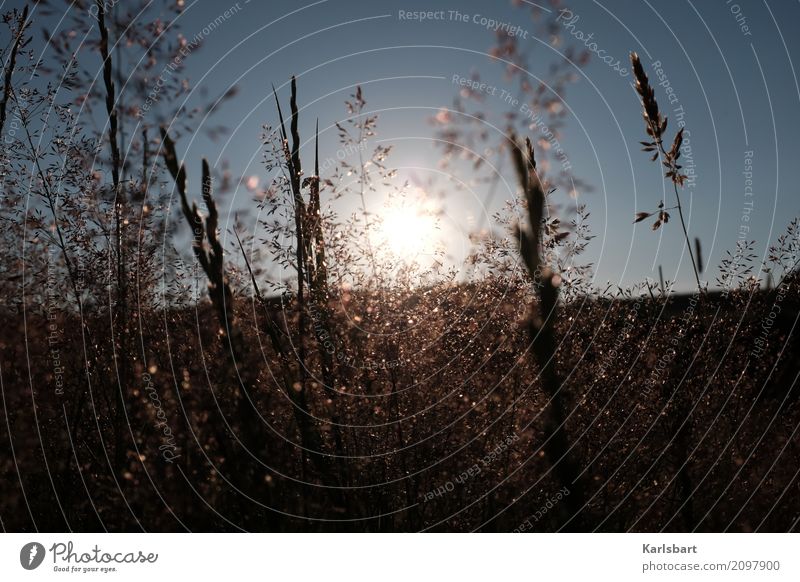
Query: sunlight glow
(407, 232)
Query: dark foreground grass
(682, 412)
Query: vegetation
(145, 391)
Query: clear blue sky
(737, 87)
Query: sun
(408, 232)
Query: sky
(725, 69)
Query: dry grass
(348, 399)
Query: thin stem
(9, 72)
(51, 203)
(686, 236)
(683, 222)
(361, 180)
(663, 152)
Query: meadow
(157, 377)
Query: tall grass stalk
(557, 446)
(8, 76)
(209, 252)
(656, 125)
(310, 263)
(121, 359)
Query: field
(171, 363)
(441, 426)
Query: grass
(656, 125)
(412, 428)
(347, 399)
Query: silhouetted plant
(542, 322)
(656, 125)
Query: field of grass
(442, 422)
(155, 375)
